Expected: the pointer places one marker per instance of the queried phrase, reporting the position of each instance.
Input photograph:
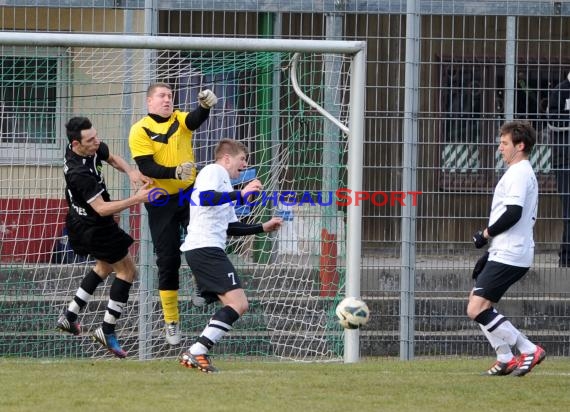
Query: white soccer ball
(352, 313)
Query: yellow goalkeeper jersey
(169, 143)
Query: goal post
(305, 134)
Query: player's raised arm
(206, 99)
(135, 176)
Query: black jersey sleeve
(244, 229)
(84, 188)
(507, 220)
(150, 168)
(103, 151)
(196, 117)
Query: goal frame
(355, 134)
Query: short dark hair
(74, 127)
(229, 146)
(520, 131)
(155, 86)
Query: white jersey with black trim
(208, 224)
(518, 186)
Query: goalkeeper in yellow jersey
(161, 145)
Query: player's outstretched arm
(206, 99)
(110, 208)
(246, 229)
(135, 176)
(272, 224)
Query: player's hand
(273, 224)
(251, 189)
(479, 240)
(479, 265)
(207, 99)
(142, 194)
(138, 179)
(184, 171)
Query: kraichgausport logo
(341, 197)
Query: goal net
(293, 278)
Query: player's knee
(473, 310)
(126, 269)
(102, 269)
(470, 313)
(168, 263)
(240, 306)
(168, 277)
(130, 276)
(241, 303)
(244, 307)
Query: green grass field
(371, 385)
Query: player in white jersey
(510, 230)
(212, 219)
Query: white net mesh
(293, 279)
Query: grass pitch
(371, 385)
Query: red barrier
(29, 228)
(328, 272)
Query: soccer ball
(352, 313)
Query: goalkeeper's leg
(164, 228)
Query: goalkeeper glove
(207, 99)
(184, 171)
(479, 240)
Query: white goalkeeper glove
(207, 99)
(184, 171)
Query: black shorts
(106, 242)
(496, 278)
(214, 272)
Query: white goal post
(352, 126)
